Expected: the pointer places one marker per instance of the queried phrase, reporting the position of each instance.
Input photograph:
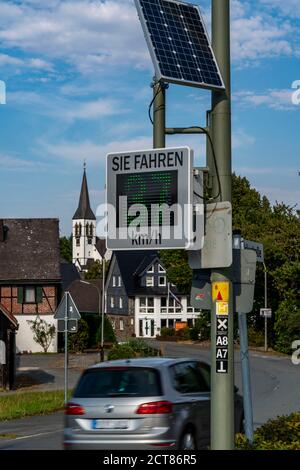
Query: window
(112, 302)
(29, 295)
(162, 281)
(173, 306)
(146, 305)
(131, 321)
(151, 269)
(119, 281)
(190, 377)
(77, 241)
(114, 281)
(161, 269)
(121, 325)
(149, 281)
(120, 302)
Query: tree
(43, 332)
(65, 244)
(78, 342)
(178, 270)
(94, 271)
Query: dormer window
(149, 281)
(161, 269)
(151, 269)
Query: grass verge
(19, 405)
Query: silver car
(149, 403)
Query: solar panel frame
(175, 76)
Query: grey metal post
(103, 308)
(66, 346)
(247, 396)
(222, 384)
(266, 306)
(159, 115)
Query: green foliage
(132, 349)
(109, 334)
(201, 330)
(167, 331)
(256, 337)
(78, 342)
(43, 332)
(94, 271)
(183, 334)
(282, 433)
(65, 244)
(178, 270)
(287, 325)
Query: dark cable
(151, 104)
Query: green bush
(183, 334)
(78, 342)
(282, 433)
(167, 331)
(287, 325)
(109, 334)
(134, 348)
(255, 337)
(121, 351)
(201, 330)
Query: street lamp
(102, 317)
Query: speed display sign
(149, 195)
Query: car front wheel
(188, 441)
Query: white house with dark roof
(30, 276)
(87, 247)
(138, 300)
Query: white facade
(84, 241)
(154, 312)
(24, 335)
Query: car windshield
(119, 382)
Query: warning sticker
(222, 308)
(220, 291)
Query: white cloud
(9, 162)
(65, 109)
(33, 63)
(88, 34)
(287, 7)
(280, 100)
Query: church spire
(84, 210)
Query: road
(275, 390)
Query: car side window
(187, 378)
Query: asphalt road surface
(275, 391)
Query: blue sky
(78, 75)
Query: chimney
(1, 231)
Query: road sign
(266, 312)
(150, 199)
(257, 247)
(243, 272)
(217, 249)
(67, 315)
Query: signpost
(67, 317)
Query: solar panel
(178, 43)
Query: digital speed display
(147, 189)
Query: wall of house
(116, 292)
(24, 336)
(127, 331)
(25, 312)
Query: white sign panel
(149, 195)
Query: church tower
(84, 228)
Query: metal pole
(222, 384)
(66, 347)
(159, 115)
(247, 397)
(103, 308)
(266, 306)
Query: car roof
(155, 362)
